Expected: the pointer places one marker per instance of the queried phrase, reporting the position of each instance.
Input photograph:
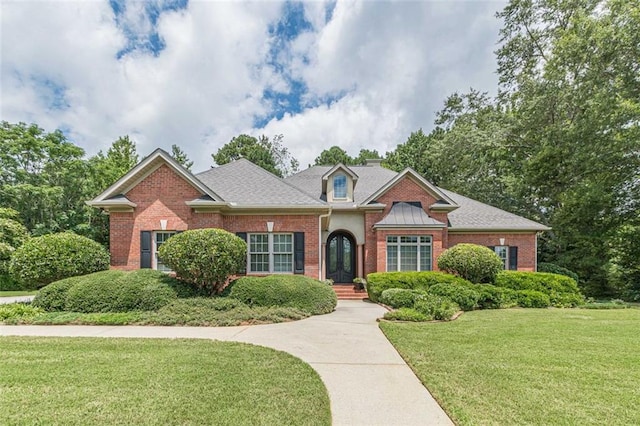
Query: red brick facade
(163, 193)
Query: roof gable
(143, 169)
(443, 199)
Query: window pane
(161, 237)
(391, 239)
(258, 243)
(346, 255)
(340, 186)
(408, 258)
(282, 263)
(408, 240)
(425, 240)
(333, 255)
(392, 258)
(425, 258)
(503, 252)
(259, 263)
(283, 243)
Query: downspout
(320, 253)
(535, 259)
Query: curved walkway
(368, 382)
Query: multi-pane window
(409, 253)
(159, 239)
(270, 253)
(339, 186)
(503, 252)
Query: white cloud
(392, 63)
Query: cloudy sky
(358, 74)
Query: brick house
(324, 222)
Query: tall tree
(271, 155)
(333, 156)
(366, 154)
(181, 157)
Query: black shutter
(145, 249)
(298, 252)
(492, 248)
(243, 236)
(513, 258)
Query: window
(503, 252)
(409, 253)
(270, 253)
(159, 238)
(339, 186)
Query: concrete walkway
(14, 299)
(368, 382)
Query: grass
(82, 381)
(14, 293)
(529, 366)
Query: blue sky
(358, 74)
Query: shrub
(53, 297)
(295, 291)
(399, 297)
(539, 281)
(42, 260)
(205, 257)
(464, 296)
(611, 304)
(9, 284)
(555, 269)
(18, 311)
(407, 314)
(475, 263)
(436, 307)
(378, 282)
(532, 299)
(118, 291)
(492, 297)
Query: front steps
(346, 292)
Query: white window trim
(271, 253)
(154, 248)
(505, 265)
(418, 244)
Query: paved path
(13, 299)
(368, 382)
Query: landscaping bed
(528, 366)
(83, 381)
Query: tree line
(559, 144)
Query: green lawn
(17, 293)
(529, 366)
(81, 381)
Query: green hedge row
(295, 291)
(378, 282)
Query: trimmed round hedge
(465, 296)
(205, 257)
(110, 291)
(472, 262)
(400, 297)
(561, 290)
(295, 291)
(42, 260)
(378, 282)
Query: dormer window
(340, 186)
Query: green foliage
(12, 235)
(204, 257)
(463, 295)
(53, 297)
(42, 260)
(271, 155)
(399, 297)
(377, 282)
(407, 314)
(9, 284)
(437, 307)
(296, 291)
(181, 157)
(472, 262)
(532, 299)
(492, 297)
(611, 304)
(539, 281)
(335, 155)
(118, 291)
(555, 269)
(18, 311)
(624, 270)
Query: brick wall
(526, 244)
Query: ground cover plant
(80, 381)
(528, 366)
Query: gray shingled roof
(370, 179)
(408, 215)
(244, 183)
(474, 215)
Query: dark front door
(341, 258)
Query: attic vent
(375, 162)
